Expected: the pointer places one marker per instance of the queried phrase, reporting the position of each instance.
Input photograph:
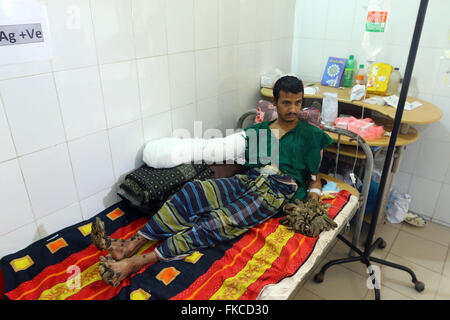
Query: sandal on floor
(415, 220)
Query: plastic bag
(268, 79)
(329, 108)
(399, 204)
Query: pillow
(266, 111)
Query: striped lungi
(204, 213)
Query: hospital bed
(267, 262)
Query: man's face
(289, 105)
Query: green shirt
(299, 151)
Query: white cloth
(171, 152)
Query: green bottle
(347, 78)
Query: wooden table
(382, 115)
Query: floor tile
(443, 292)
(425, 253)
(400, 280)
(305, 294)
(339, 284)
(386, 293)
(446, 271)
(432, 231)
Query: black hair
(288, 84)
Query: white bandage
(316, 191)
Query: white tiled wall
(325, 28)
(124, 72)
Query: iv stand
(365, 256)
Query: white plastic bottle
(394, 82)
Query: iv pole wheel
(382, 244)
(318, 278)
(419, 285)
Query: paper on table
(393, 101)
(311, 90)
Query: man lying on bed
(204, 213)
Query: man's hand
(313, 195)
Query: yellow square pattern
(23, 263)
(194, 257)
(86, 229)
(140, 294)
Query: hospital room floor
(424, 250)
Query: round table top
(425, 114)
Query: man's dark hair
(288, 84)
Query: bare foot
(118, 249)
(113, 272)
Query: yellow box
(378, 80)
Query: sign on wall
(24, 31)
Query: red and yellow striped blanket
(65, 264)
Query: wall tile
(401, 181)
(113, 29)
(339, 22)
(248, 75)
(247, 21)
(433, 159)
(18, 239)
(314, 19)
(25, 69)
(157, 126)
(32, 110)
(72, 34)
(283, 19)
(307, 66)
(183, 120)
(228, 22)
(424, 195)
(16, 210)
(282, 54)
(442, 81)
(149, 27)
(441, 211)
(265, 20)
(436, 25)
(206, 23)
(359, 20)
(401, 22)
(180, 25)
(228, 106)
(59, 220)
(92, 166)
(209, 109)
(410, 157)
(126, 147)
(153, 74)
(268, 58)
(207, 73)
(120, 92)
(182, 79)
(95, 204)
(426, 67)
(439, 131)
(228, 68)
(81, 101)
(7, 150)
(49, 179)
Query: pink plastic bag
(366, 127)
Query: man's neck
(286, 126)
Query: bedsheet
(64, 265)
